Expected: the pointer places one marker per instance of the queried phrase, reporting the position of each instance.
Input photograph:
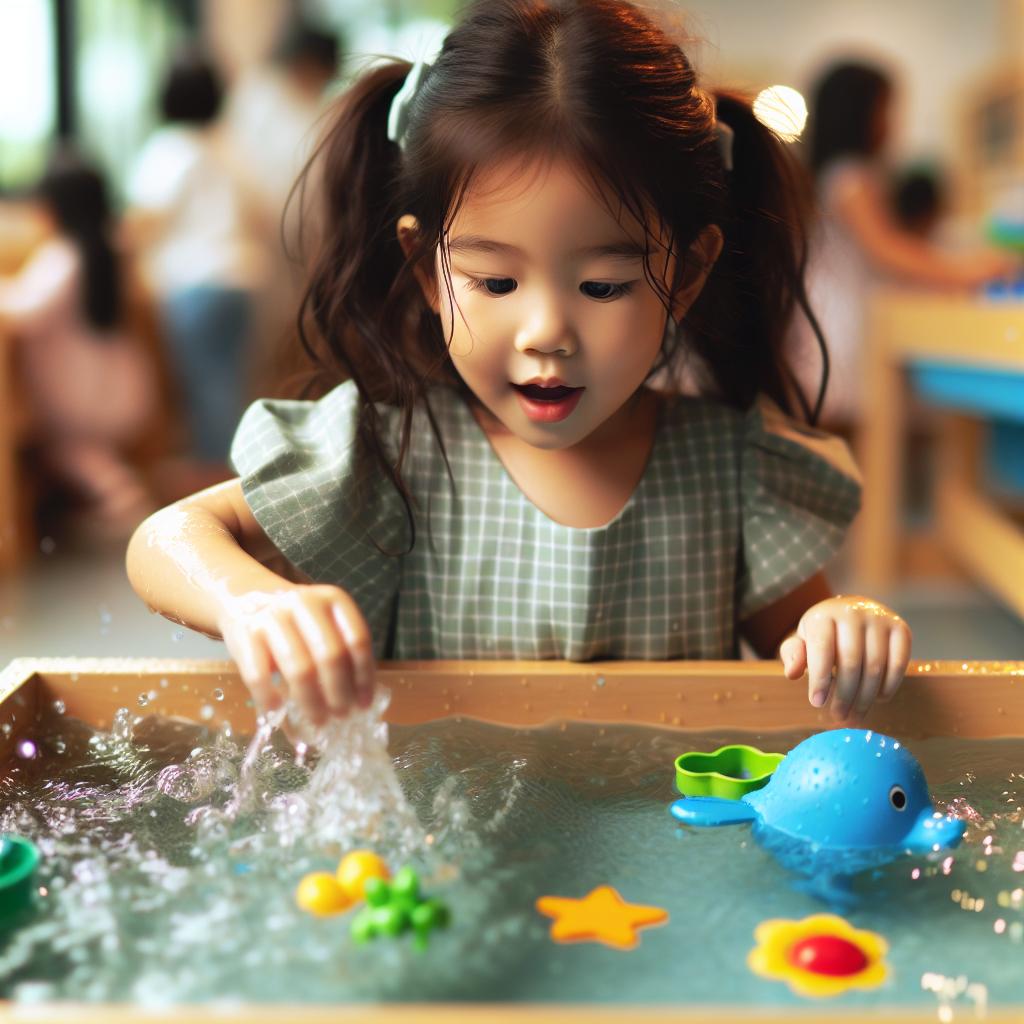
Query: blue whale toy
(839, 803)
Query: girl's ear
(699, 260)
(408, 234)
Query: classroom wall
(942, 46)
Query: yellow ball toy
(320, 894)
(356, 868)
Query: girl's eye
(605, 290)
(600, 290)
(494, 285)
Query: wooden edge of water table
(970, 699)
(484, 1013)
(938, 698)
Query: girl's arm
(199, 562)
(864, 643)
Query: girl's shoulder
(279, 433)
(764, 427)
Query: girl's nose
(546, 328)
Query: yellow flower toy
(820, 956)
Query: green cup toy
(18, 862)
(729, 772)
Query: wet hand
(851, 648)
(314, 636)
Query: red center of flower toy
(828, 954)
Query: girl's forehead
(545, 199)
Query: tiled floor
(75, 604)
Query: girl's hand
(314, 636)
(867, 645)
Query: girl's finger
(254, 666)
(876, 661)
(323, 640)
(899, 659)
(818, 634)
(296, 665)
(793, 653)
(849, 666)
(359, 644)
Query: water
(172, 851)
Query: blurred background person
(192, 215)
(919, 201)
(859, 241)
(86, 383)
(272, 110)
(270, 115)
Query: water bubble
(218, 694)
(6, 728)
(47, 545)
(26, 749)
(143, 700)
(178, 635)
(206, 712)
(59, 706)
(600, 681)
(164, 684)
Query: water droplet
(218, 694)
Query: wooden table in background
(20, 232)
(979, 535)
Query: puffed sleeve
(799, 492)
(299, 467)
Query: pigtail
(741, 321)
(362, 317)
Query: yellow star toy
(601, 916)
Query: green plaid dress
(733, 512)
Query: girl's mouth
(547, 405)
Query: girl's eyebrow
(622, 249)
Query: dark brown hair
(844, 113)
(598, 83)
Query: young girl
(89, 385)
(518, 238)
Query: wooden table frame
(972, 700)
(973, 529)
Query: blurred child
(918, 202)
(188, 211)
(88, 384)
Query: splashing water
(172, 851)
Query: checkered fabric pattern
(733, 512)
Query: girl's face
(548, 288)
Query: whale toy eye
(898, 798)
